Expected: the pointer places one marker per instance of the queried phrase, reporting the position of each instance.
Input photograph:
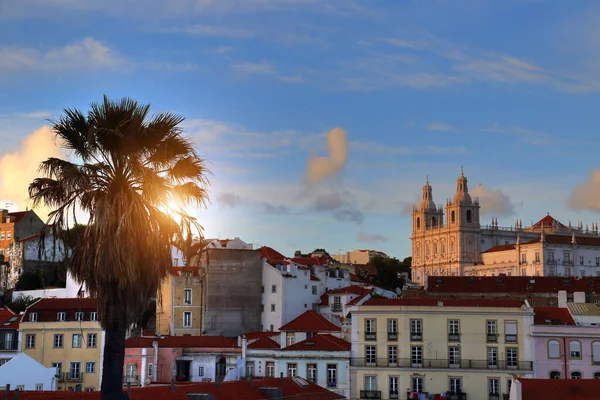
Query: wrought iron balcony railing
(441, 364)
(370, 394)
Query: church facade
(452, 241)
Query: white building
(309, 347)
(455, 243)
(358, 256)
(24, 373)
(291, 288)
(72, 289)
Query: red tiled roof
(314, 278)
(17, 215)
(310, 321)
(47, 309)
(260, 335)
(324, 342)
(433, 302)
(560, 389)
(510, 284)
(502, 247)
(182, 342)
(355, 300)
(234, 390)
(566, 239)
(310, 261)
(6, 314)
(272, 256)
(176, 271)
(264, 343)
(553, 315)
(324, 300)
(354, 278)
(547, 222)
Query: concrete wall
(232, 299)
(70, 291)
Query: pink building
(183, 358)
(564, 349)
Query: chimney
(244, 347)
(16, 394)
(272, 392)
(7, 391)
(201, 396)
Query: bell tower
(427, 215)
(463, 223)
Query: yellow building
(179, 307)
(66, 334)
(472, 348)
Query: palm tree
(127, 168)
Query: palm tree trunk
(114, 354)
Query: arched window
(596, 375)
(418, 222)
(575, 375)
(575, 349)
(469, 216)
(554, 375)
(443, 246)
(418, 251)
(435, 248)
(553, 349)
(433, 221)
(453, 216)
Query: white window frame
(60, 341)
(371, 354)
(200, 371)
(187, 319)
(311, 372)
(30, 341)
(61, 316)
(455, 384)
(93, 337)
(292, 369)
(332, 375)
(416, 383)
(92, 364)
(493, 386)
(79, 316)
(76, 344)
(492, 357)
(33, 317)
(93, 316)
(512, 357)
(73, 376)
(187, 296)
(553, 344)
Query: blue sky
(508, 89)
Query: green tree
(129, 169)
(389, 272)
(21, 304)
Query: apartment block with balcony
(65, 334)
(463, 348)
(179, 312)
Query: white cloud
(33, 114)
(365, 238)
(586, 196)
(221, 50)
(440, 127)
(212, 30)
(530, 136)
(88, 53)
(341, 205)
(493, 202)
(324, 167)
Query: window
(200, 371)
(508, 385)
(597, 261)
(418, 222)
(58, 341)
(250, 368)
(270, 369)
(337, 303)
(30, 341)
(596, 352)
(454, 356)
(492, 357)
(456, 385)
(469, 216)
(272, 307)
(392, 329)
(512, 357)
(290, 338)
(331, 375)
(370, 383)
(61, 316)
(1, 235)
(79, 316)
(314, 290)
(310, 334)
(537, 257)
(370, 329)
(596, 375)
(416, 384)
(510, 331)
(567, 271)
(311, 372)
(93, 316)
(416, 329)
(580, 260)
(494, 386)
(90, 367)
(33, 317)
(575, 375)
(416, 356)
(91, 340)
(453, 330)
(131, 373)
(491, 328)
(58, 366)
(370, 354)
(392, 355)
(574, 349)
(150, 369)
(553, 349)
(453, 217)
(187, 319)
(75, 371)
(292, 370)
(39, 386)
(8, 235)
(20, 388)
(554, 375)
(273, 288)
(551, 256)
(77, 339)
(187, 296)
(262, 309)
(262, 289)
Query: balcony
(492, 338)
(441, 364)
(370, 394)
(392, 335)
(336, 308)
(494, 396)
(510, 338)
(416, 336)
(133, 380)
(331, 383)
(69, 377)
(394, 395)
(551, 261)
(9, 345)
(454, 337)
(370, 335)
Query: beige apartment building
(179, 307)
(463, 348)
(65, 334)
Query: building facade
(179, 309)
(358, 256)
(65, 334)
(15, 226)
(404, 347)
(453, 242)
(9, 335)
(24, 373)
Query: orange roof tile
(548, 221)
(502, 247)
(264, 343)
(47, 309)
(8, 319)
(272, 256)
(325, 342)
(510, 284)
(260, 335)
(17, 215)
(559, 389)
(176, 271)
(310, 321)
